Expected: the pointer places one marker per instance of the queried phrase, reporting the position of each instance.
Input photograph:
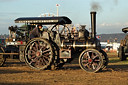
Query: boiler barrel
(77, 44)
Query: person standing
(36, 32)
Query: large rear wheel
(121, 53)
(2, 58)
(39, 54)
(91, 60)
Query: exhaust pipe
(93, 25)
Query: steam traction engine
(59, 44)
(123, 48)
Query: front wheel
(39, 54)
(91, 60)
(105, 59)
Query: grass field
(113, 58)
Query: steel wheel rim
(38, 54)
(105, 59)
(2, 58)
(91, 61)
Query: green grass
(114, 59)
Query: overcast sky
(112, 15)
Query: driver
(36, 32)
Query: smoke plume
(95, 6)
(116, 2)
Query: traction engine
(59, 43)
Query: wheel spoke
(46, 57)
(39, 45)
(37, 63)
(42, 62)
(93, 66)
(45, 61)
(43, 48)
(84, 61)
(85, 55)
(88, 66)
(33, 60)
(35, 49)
(33, 57)
(88, 55)
(94, 57)
(31, 46)
(45, 45)
(47, 54)
(48, 50)
(97, 60)
(32, 53)
(36, 45)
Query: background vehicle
(123, 49)
(58, 44)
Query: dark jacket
(34, 33)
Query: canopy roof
(44, 20)
(125, 30)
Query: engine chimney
(93, 24)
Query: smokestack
(93, 24)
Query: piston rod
(9, 53)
